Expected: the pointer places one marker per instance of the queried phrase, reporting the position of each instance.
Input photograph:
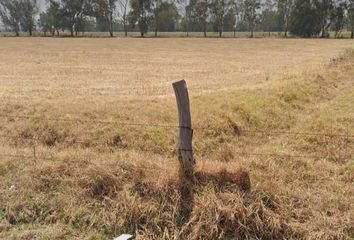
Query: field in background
(72, 68)
(100, 173)
(345, 34)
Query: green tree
(229, 20)
(10, 14)
(304, 20)
(156, 12)
(237, 11)
(200, 9)
(338, 18)
(269, 17)
(324, 10)
(285, 9)
(73, 14)
(185, 11)
(140, 14)
(165, 17)
(219, 10)
(29, 9)
(123, 14)
(105, 12)
(350, 9)
(45, 23)
(54, 16)
(251, 13)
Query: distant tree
(304, 20)
(251, 8)
(219, 10)
(81, 24)
(185, 11)
(72, 13)
(105, 12)
(350, 9)
(140, 14)
(229, 20)
(156, 12)
(55, 14)
(51, 19)
(123, 14)
(169, 17)
(285, 8)
(200, 10)
(338, 18)
(324, 10)
(237, 10)
(269, 17)
(45, 23)
(11, 14)
(29, 9)
(165, 17)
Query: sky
(41, 4)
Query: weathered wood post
(185, 153)
(185, 150)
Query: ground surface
(100, 113)
(105, 65)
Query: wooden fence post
(185, 153)
(185, 127)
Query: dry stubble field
(95, 176)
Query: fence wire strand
(273, 155)
(34, 140)
(124, 166)
(29, 117)
(139, 124)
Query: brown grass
(96, 180)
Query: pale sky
(41, 4)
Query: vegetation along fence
(186, 133)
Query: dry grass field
(100, 113)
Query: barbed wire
(29, 117)
(124, 166)
(297, 133)
(121, 89)
(72, 140)
(290, 156)
(273, 155)
(139, 124)
(35, 143)
(34, 140)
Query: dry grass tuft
(230, 216)
(225, 181)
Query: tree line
(305, 18)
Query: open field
(74, 67)
(101, 113)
